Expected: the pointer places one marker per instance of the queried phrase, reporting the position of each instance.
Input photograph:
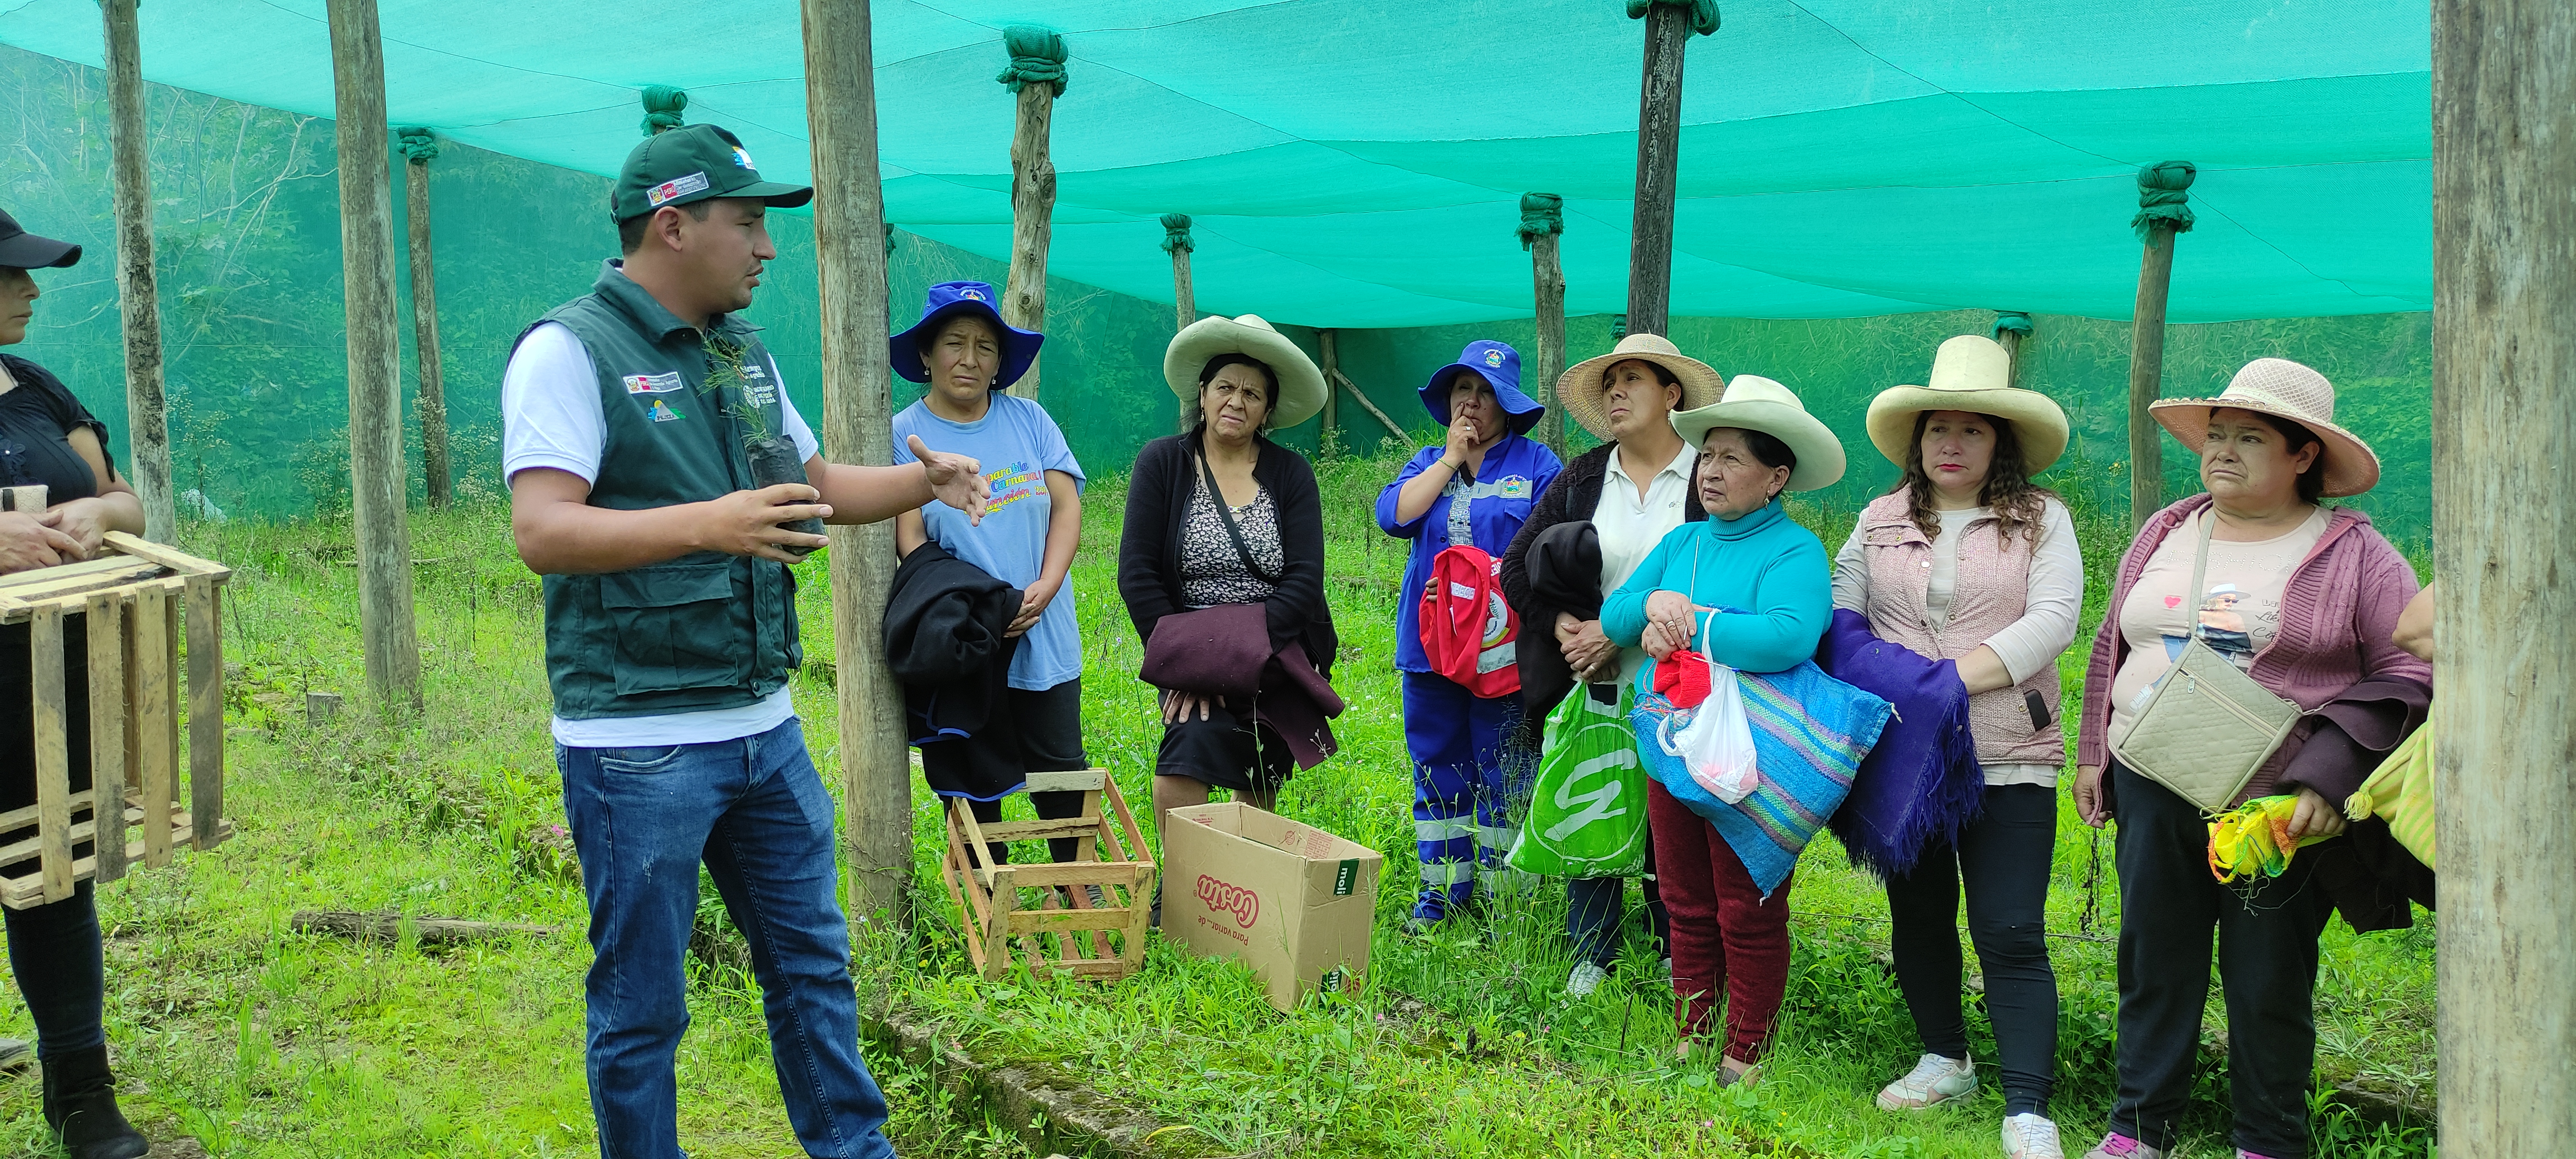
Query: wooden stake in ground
(850, 248)
(2163, 211)
(2504, 506)
(1659, 145)
(1332, 368)
(1036, 75)
(1176, 242)
(376, 484)
(2011, 326)
(1542, 220)
(147, 422)
(419, 148)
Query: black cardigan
(1149, 547)
(1575, 494)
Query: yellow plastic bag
(2400, 792)
(2253, 839)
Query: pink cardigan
(2338, 623)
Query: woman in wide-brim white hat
(1966, 560)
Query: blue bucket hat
(1019, 347)
(1499, 365)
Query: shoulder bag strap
(1216, 497)
(2199, 569)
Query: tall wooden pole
(2504, 507)
(2163, 211)
(376, 487)
(1659, 144)
(1177, 242)
(1542, 220)
(1036, 74)
(419, 148)
(137, 291)
(850, 247)
(2011, 326)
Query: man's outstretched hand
(955, 480)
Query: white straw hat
(1578, 390)
(1971, 373)
(1301, 386)
(2283, 389)
(1755, 403)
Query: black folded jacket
(944, 626)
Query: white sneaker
(1934, 1080)
(1585, 979)
(2029, 1136)
(1668, 969)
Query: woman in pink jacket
(2305, 599)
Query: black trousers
(1044, 736)
(54, 954)
(1594, 907)
(2267, 969)
(2004, 858)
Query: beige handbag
(2206, 726)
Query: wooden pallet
(134, 599)
(1054, 921)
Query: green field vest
(703, 631)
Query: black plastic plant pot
(773, 461)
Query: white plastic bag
(1713, 741)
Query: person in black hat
(48, 438)
(630, 421)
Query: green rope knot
(1618, 327)
(2012, 322)
(1542, 214)
(417, 145)
(662, 105)
(2162, 199)
(1703, 13)
(1037, 57)
(1176, 234)
(889, 232)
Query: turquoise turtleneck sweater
(1770, 574)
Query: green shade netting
(1351, 163)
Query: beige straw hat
(1301, 386)
(1578, 390)
(1971, 373)
(2283, 389)
(1755, 403)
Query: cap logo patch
(742, 159)
(663, 383)
(1493, 358)
(675, 188)
(971, 295)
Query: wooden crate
(134, 597)
(1057, 926)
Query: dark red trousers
(1725, 937)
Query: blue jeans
(1463, 789)
(755, 810)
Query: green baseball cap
(693, 163)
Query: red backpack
(1467, 625)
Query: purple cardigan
(2338, 627)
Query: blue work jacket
(1498, 497)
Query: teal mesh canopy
(1352, 163)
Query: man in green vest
(633, 420)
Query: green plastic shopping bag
(1587, 813)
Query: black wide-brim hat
(20, 249)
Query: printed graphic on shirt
(663, 383)
(662, 413)
(1014, 483)
(2222, 625)
(1514, 487)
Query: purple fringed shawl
(1922, 780)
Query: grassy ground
(255, 1041)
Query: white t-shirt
(2237, 614)
(1630, 527)
(551, 417)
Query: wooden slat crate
(1056, 924)
(135, 597)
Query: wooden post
(1331, 344)
(850, 247)
(1176, 242)
(2162, 213)
(147, 422)
(376, 485)
(1659, 144)
(1542, 220)
(419, 148)
(1036, 74)
(2011, 326)
(2504, 506)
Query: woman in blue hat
(1469, 495)
(966, 355)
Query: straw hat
(1578, 390)
(1301, 386)
(2283, 389)
(1755, 403)
(1971, 373)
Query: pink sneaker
(2118, 1146)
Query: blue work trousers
(756, 812)
(1465, 782)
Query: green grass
(261, 1042)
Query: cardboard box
(1293, 902)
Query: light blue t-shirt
(1017, 443)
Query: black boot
(80, 1105)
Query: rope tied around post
(1176, 234)
(2163, 199)
(889, 238)
(1542, 214)
(2012, 322)
(417, 145)
(1703, 13)
(1037, 57)
(662, 107)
